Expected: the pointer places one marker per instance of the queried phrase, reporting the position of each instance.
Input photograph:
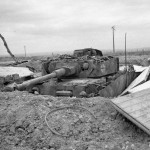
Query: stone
(12, 129)
(2, 80)
(8, 78)
(92, 147)
(15, 77)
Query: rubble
(22, 124)
(140, 87)
(12, 71)
(11, 75)
(139, 80)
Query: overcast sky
(64, 25)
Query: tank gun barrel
(65, 71)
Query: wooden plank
(139, 68)
(140, 79)
(136, 68)
(141, 87)
(147, 124)
(137, 106)
(116, 87)
(129, 97)
(144, 118)
(139, 124)
(132, 102)
(142, 111)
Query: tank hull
(72, 87)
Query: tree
(8, 50)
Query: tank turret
(91, 62)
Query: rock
(92, 147)
(1, 86)
(52, 149)
(133, 147)
(114, 114)
(82, 147)
(7, 89)
(106, 147)
(56, 144)
(50, 104)
(15, 77)
(8, 78)
(21, 131)
(104, 122)
(44, 148)
(11, 140)
(19, 123)
(23, 142)
(25, 124)
(115, 148)
(12, 129)
(2, 80)
(3, 129)
(30, 128)
(3, 122)
(36, 92)
(37, 133)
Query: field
(133, 57)
(93, 124)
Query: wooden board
(140, 79)
(140, 87)
(22, 71)
(136, 68)
(139, 68)
(117, 86)
(135, 107)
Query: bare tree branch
(8, 50)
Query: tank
(88, 73)
(82, 74)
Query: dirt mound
(23, 124)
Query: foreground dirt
(23, 125)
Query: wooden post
(25, 51)
(113, 28)
(126, 59)
(125, 50)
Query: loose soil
(26, 121)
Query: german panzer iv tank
(82, 74)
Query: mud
(98, 126)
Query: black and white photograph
(74, 75)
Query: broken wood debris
(135, 107)
(10, 75)
(117, 86)
(140, 87)
(9, 78)
(139, 80)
